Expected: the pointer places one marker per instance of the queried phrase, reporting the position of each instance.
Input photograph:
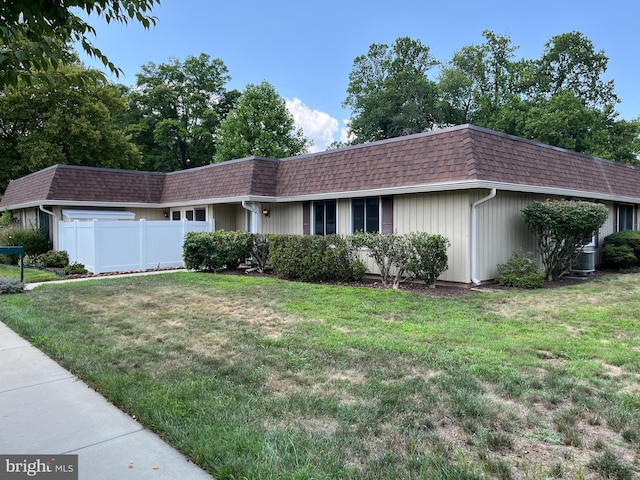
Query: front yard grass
(260, 378)
(31, 275)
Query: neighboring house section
(467, 183)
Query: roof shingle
(457, 154)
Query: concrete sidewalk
(44, 409)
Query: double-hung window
(324, 217)
(626, 217)
(365, 214)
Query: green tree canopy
(176, 108)
(390, 93)
(34, 34)
(260, 125)
(561, 98)
(72, 123)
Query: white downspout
(256, 219)
(474, 235)
(54, 235)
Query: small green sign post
(19, 251)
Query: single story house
(467, 183)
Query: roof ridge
(469, 149)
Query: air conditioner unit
(585, 263)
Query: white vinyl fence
(127, 245)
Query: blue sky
(306, 50)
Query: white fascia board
(220, 200)
(461, 185)
(561, 192)
(425, 188)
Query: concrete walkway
(31, 286)
(44, 409)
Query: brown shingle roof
(399, 162)
(454, 155)
(252, 176)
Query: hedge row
(316, 258)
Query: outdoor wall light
(265, 212)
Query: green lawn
(31, 275)
(259, 378)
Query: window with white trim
(199, 214)
(365, 214)
(324, 217)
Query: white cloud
(345, 135)
(316, 125)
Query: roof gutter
(474, 235)
(42, 209)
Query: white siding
(283, 218)
(501, 230)
(225, 216)
(447, 214)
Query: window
(198, 214)
(324, 217)
(365, 214)
(626, 217)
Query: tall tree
(34, 34)
(260, 125)
(72, 123)
(571, 63)
(480, 79)
(389, 91)
(176, 108)
(561, 98)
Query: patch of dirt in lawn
(194, 318)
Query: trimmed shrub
(10, 285)
(32, 240)
(387, 250)
(53, 259)
(520, 271)
(75, 268)
(314, 258)
(427, 257)
(562, 228)
(340, 261)
(416, 255)
(215, 251)
(622, 249)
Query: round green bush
(520, 271)
(622, 249)
(75, 268)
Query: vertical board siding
(501, 230)
(283, 218)
(444, 213)
(149, 213)
(225, 216)
(343, 211)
